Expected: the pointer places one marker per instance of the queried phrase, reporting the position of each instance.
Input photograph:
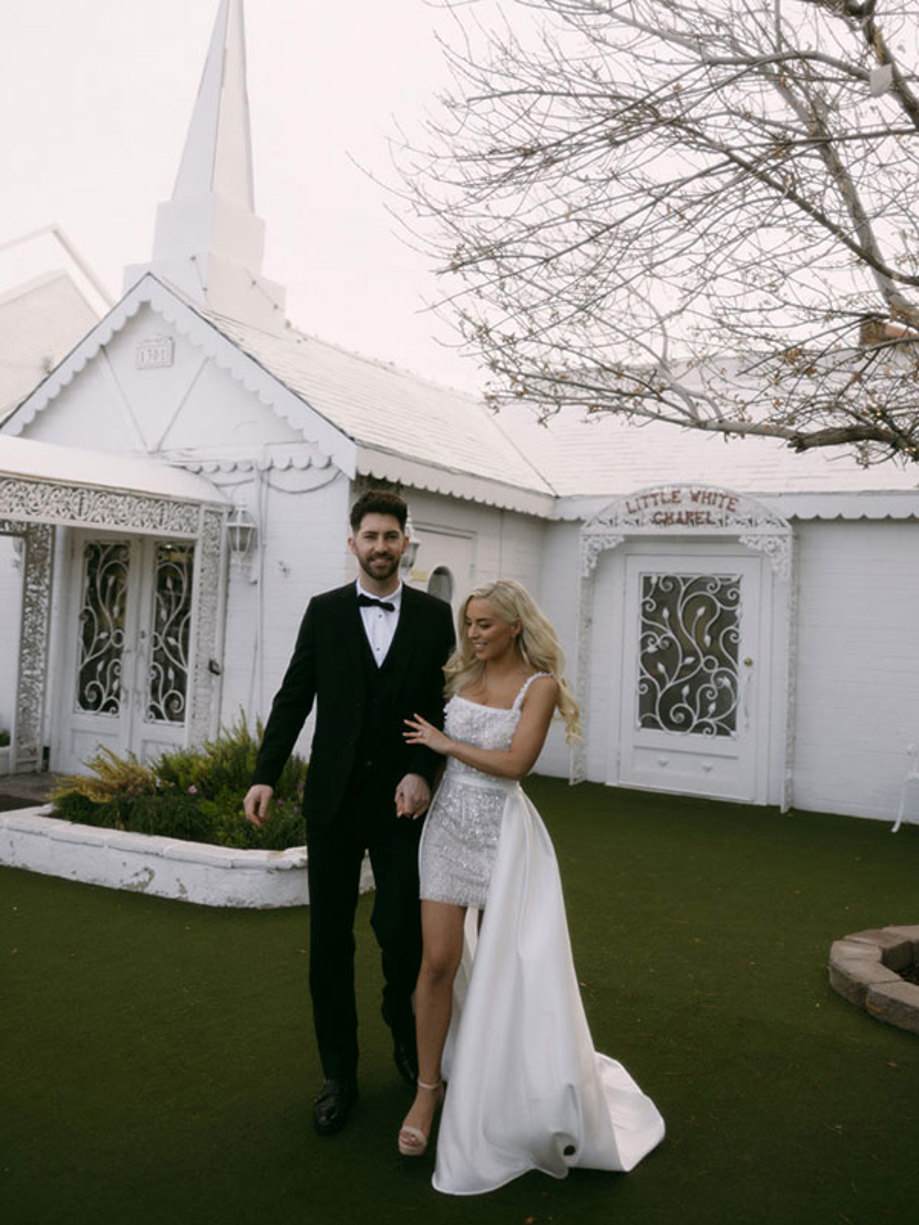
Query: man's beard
(379, 574)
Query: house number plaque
(154, 352)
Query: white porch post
(32, 675)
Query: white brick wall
(557, 594)
(506, 544)
(305, 552)
(857, 668)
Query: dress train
(526, 1089)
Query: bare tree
(702, 213)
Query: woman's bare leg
(442, 928)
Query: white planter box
(165, 867)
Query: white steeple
(209, 242)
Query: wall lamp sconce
(408, 557)
(241, 532)
(411, 549)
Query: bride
(503, 1042)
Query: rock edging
(864, 967)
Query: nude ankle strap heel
(412, 1140)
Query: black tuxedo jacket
(328, 666)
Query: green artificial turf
(157, 1061)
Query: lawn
(157, 1062)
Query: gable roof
(367, 416)
(190, 323)
(373, 418)
(406, 428)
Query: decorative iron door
(127, 653)
(690, 718)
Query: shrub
(112, 778)
(193, 794)
(170, 816)
(77, 807)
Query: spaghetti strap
(522, 691)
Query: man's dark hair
(378, 502)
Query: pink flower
(193, 790)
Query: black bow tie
(367, 601)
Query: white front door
(694, 700)
(126, 652)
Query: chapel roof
(389, 411)
(603, 455)
(371, 417)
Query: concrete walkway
(24, 790)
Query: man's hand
(412, 796)
(255, 805)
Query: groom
(371, 654)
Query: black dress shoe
(405, 1057)
(333, 1105)
(404, 1050)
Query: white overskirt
(526, 1089)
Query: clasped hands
(413, 795)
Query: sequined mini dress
(460, 839)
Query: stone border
(863, 969)
(165, 867)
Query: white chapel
(739, 622)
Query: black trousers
(365, 821)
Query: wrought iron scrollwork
(102, 626)
(688, 653)
(167, 692)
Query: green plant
(79, 808)
(222, 764)
(193, 794)
(112, 778)
(4, 738)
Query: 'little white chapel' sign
(687, 510)
(681, 506)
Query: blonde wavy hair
(537, 645)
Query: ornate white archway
(33, 506)
(681, 510)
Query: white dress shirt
(379, 623)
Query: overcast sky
(96, 96)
